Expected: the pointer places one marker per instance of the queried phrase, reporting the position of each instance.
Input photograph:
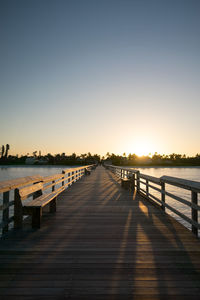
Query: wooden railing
(56, 182)
(137, 179)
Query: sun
(141, 147)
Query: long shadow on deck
(172, 271)
(103, 243)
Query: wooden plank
(51, 178)
(44, 199)
(150, 178)
(184, 183)
(103, 243)
(18, 210)
(186, 202)
(5, 215)
(15, 183)
(194, 213)
(24, 192)
(76, 169)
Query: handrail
(183, 183)
(8, 185)
(66, 178)
(134, 176)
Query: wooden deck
(103, 243)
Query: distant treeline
(88, 158)
(49, 159)
(156, 159)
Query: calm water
(10, 172)
(191, 173)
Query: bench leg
(125, 184)
(52, 206)
(36, 217)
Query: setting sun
(142, 147)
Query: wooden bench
(87, 171)
(128, 183)
(35, 206)
(125, 183)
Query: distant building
(35, 161)
(31, 161)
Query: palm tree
(108, 155)
(7, 148)
(2, 151)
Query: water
(190, 173)
(12, 172)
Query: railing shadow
(102, 240)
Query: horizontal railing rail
(56, 182)
(136, 179)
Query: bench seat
(44, 199)
(34, 207)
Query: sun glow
(142, 147)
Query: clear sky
(100, 75)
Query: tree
(34, 153)
(2, 151)
(108, 155)
(7, 148)
(89, 155)
(73, 156)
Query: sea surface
(12, 172)
(190, 173)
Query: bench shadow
(104, 242)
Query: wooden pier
(104, 242)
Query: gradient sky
(98, 76)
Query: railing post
(132, 181)
(63, 172)
(18, 214)
(121, 173)
(163, 195)
(53, 186)
(68, 179)
(138, 181)
(194, 213)
(52, 205)
(5, 217)
(147, 187)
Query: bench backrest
(25, 192)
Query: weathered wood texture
(102, 243)
(12, 184)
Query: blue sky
(98, 76)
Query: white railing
(136, 179)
